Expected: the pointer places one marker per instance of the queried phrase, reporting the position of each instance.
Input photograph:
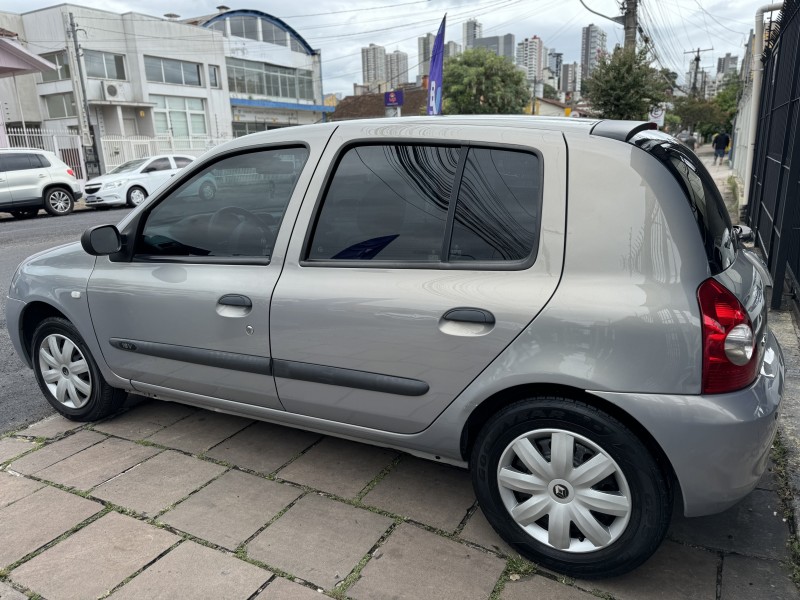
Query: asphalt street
(21, 401)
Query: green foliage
(698, 114)
(625, 86)
(550, 92)
(480, 82)
(727, 100)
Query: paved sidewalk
(166, 501)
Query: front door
(426, 257)
(190, 311)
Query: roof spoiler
(621, 130)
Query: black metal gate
(774, 202)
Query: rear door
(25, 177)
(422, 258)
(156, 173)
(5, 193)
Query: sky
(341, 28)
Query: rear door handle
(469, 315)
(235, 300)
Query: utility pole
(631, 24)
(86, 130)
(696, 61)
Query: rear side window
(702, 194)
(181, 161)
(428, 205)
(40, 161)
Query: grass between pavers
(779, 456)
(139, 571)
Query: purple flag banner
(435, 76)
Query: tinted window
(159, 164)
(497, 211)
(230, 208)
(386, 203)
(181, 162)
(18, 162)
(39, 161)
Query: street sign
(657, 115)
(393, 98)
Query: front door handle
(469, 315)
(235, 300)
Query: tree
(550, 92)
(480, 82)
(624, 86)
(727, 100)
(698, 114)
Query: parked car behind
(31, 179)
(561, 305)
(131, 182)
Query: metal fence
(774, 205)
(64, 144)
(118, 149)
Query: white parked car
(133, 181)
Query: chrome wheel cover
(65, 371)
(578, 501)
(59, 201)
(137, 196)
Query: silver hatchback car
(561, 305)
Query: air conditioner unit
(116, 91)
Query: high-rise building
(502, 45)
(531, 56)
(593, 46)
(424, 49)
(373, 64)
(570, 78)
(471, 30)
(554, 62)
(396, 68)
(452, 49)
(728, 65)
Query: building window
(296, 45)
(181, 117)
(104, 65)
(60, 60)
(166, 70)
(244, 27)
(241, 128)
(248, 77)
(272, 34)
(60, 106)
(213, 76)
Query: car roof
(27, 150)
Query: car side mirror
(744, 233)
(101, 240)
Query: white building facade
(532, 57)
(594, 44)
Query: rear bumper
(718, 445)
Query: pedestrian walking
(720, 143)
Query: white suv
(31, 179)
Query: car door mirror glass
(101, 240)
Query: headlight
(115, 184)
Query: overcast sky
(340, 28)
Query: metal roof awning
(16, 60)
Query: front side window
(159, 164)
(104, 65)
(394, 204)
(232, 208)
(60, 60)
(60, 106)
(18, 162)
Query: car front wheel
(570, 487)
(136, 195)
(68, 374)
(58, 202)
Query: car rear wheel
(136, 195)
(570, 487)
(25, 213)
(68, 374)
(58, 201)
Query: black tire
(58, 201)
(99, 401)
(135, 192)
(637, 478)
(25, 213)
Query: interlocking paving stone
(145, 419)
(11, 447)
(97, 464)
(9, 593)
(263, 447)
(754, 527)
(194, 571)
(159, 482)
(13, 487)
(745, 578)
(40, 518)
(338, 466)
(95, 559)
(199, 432)
(34, 462)
(231, 509)
(51, 427)
(283, 589)
(541, 587)
(428, 492)
(674, 572)
(318, 539)
(478, 531)
(414, 563)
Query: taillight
(70, 172)
(729, 360)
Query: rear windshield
(701, 193)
